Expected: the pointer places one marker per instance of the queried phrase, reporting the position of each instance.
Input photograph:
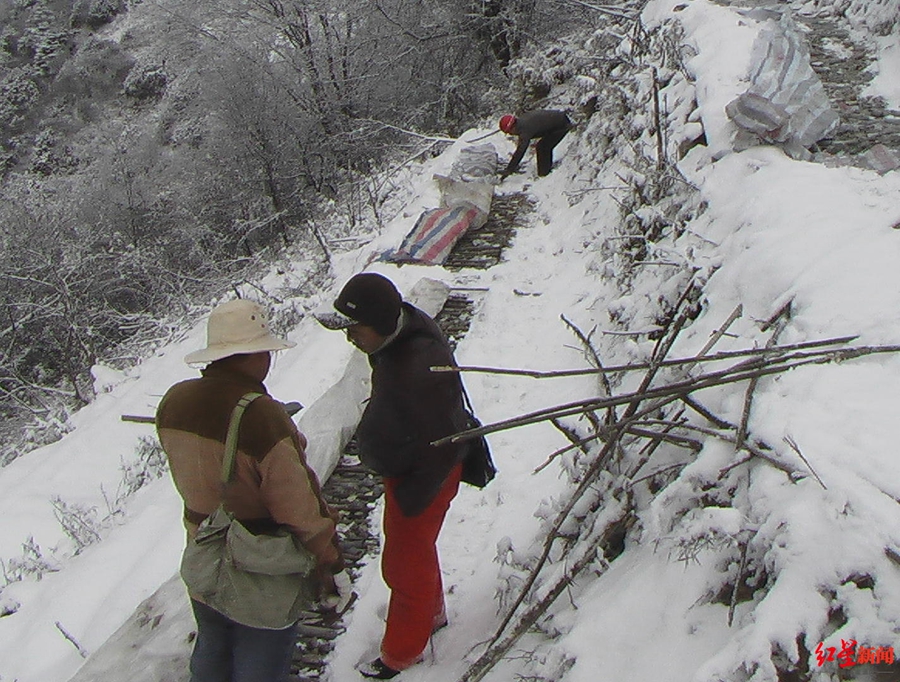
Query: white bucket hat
(239, 326)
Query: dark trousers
(225, 651)
(544, 149)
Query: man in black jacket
(410, 407)
(547, 125)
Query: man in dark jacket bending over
(548, 125)
(410, 407)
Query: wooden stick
(757, 449)
(720, 332)
(563, 450)
(734, 591)
(705, 412)
(630, 415)
(657, 122)
(751, 386)
(648, 450)
(740, 372)
(598, 363)
(81, 650)
(561, 516)
(796, 448)
(731, 375)
(496, 650)
(677, 465)
(138, 419)
(681, 441)
(724, 355)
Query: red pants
(409, 565)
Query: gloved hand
(343, 594)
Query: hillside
(737, 530)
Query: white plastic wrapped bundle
(475, 162)
(786, 103)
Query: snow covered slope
(790, 560)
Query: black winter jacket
(409, 408)
(536, 124)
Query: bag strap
(231, 438)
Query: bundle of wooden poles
(637, 414)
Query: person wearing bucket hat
(272, 486)
(548, 126)
(410, 407)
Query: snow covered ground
(774, 230)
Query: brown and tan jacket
(272, 483)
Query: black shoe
(377, 670)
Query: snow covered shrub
(32, 563)
(45, 42)
(95, 13)
(286, 318)
(146, 82)
(78, 521)
(532, 79)
(150, 465)
(51, 158)
(97, 70)
(18, 94)
(880, 16)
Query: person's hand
(342, 595)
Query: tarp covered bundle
(465, 204)
(435, 233)
(786, 103)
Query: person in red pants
(409, 408)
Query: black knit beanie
(371, 299)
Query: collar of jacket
(411, 324)
(402, 322)
(214, 371)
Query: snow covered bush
(18, 94)
(150, 464)
(95, 13)
(31, 564)
(49, 157)
(880, 16)
(146, 82)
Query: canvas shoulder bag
(477, 467)
(262, 581)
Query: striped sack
(434, 234)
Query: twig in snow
(81, 650)
(781, 320)
(497, 649)
(740, 576)
(594, 358)
(720, 332)
(607, 10)
(783, 312)
(724, 355)
(691, 402)
(737, 373)
(602, 460)
(657, 122)
(793, 445)
(661, 470)
(579, 443)
(413, 133)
